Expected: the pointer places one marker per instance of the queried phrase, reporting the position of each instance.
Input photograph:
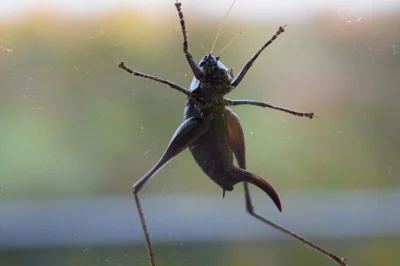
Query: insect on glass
(213, 133)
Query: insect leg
(188, 131)
(236, 143)
(246, 68)
(197, 72)
(164, 81)
(237, 146)
(250, 210)
(229, 102)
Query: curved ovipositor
(213, 152)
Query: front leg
(189, 131)
(197, 72)
(248, 65)
(246, 68)
(229, 102)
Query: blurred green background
(76, 126)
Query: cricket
(213, 133)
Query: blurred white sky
(256, 9)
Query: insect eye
(202, 63)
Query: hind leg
(250, 210)
(189, 131)
(236, 142)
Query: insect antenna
(229, 44)
(221, 26)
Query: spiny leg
(189, 131)
(144, 228)
(246, 68)
(229, 102)
(197, 72)
(236, 143)
(164, 81)
(250, 210)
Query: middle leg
(164, 81)
(229, 102)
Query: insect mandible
(213, 133)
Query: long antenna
(220, 27)
(229, 44)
